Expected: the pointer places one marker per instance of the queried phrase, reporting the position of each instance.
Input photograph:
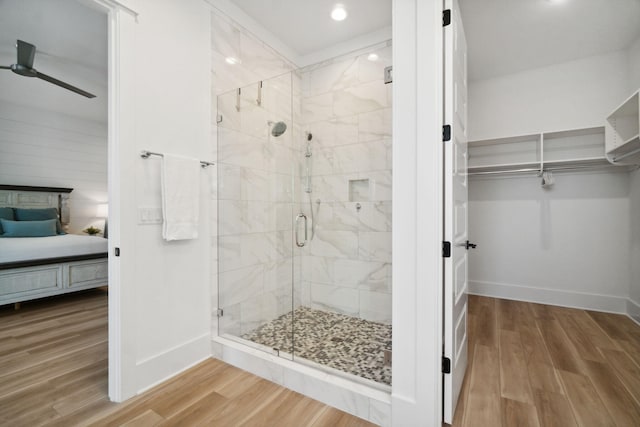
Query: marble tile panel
(278, 276)
(241, 150)
(225, 38)
(366, 156)
(335, 298)
(361, 98)
(380, 185)
(256, 220)
(375, 306)
(232, 217)
(375, 246)
(257, 310)
(373, 70)
(361, 274)
(229, 252)
(374, 125)
(375, 216)
(339, 244)
(230, 323)
(239, 285)
(318, 269)
(254, 184)
(333, 76)
(322, 161)
(281, 187)
(226, 107)
(338, 216)
(278, 157)
(332, 188)
(337, 131)
(253, 118)
(318, 108)
(230, 182)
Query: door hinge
(219, 312)
(116, 251)
(446, 133)
(446, 249)
(446, 17)
(446, 365)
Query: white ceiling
(508, 36)
(504, 36)
(71, 45)
(306, 26)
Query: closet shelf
(547, 151)
(622, 131)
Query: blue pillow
(28, 228)
(6, 213)
(39, 215)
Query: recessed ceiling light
(373, 57)
(231, 60)
(339, 13)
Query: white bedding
(31, 248)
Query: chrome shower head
(277, 128)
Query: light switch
(148, 215)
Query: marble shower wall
(256, 172)
(346, 268)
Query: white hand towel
(180, 197)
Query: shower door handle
(301, 215)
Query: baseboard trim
(633, 310)
(167, 364)
(609, 304)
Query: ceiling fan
(24, 67)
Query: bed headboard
(25, 196)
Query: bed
(36, 267)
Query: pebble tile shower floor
(342, 342)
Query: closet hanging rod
(145, 154)
(537, 170)
(625, 155)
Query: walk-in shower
(306, 146)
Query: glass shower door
(255, 215)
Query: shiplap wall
(46, 148)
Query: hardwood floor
(541, 365)
(53, 371)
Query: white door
(455, 208)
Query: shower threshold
(347, 344)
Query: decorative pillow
(6, 213)
(39, 215)
(43, 228)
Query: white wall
(569, 95)
(550, 245)
(545, 244)
(163, 84)
(46, 148)
(633, 57)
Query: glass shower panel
(255, 212)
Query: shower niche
(297, 146)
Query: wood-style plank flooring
(53, 371)
(540, 365)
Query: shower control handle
(301, 215)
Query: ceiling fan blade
(63, 85)
(2, 67)
(26, 53)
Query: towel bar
(145, 154)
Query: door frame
(120, 22)
(417, 212)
